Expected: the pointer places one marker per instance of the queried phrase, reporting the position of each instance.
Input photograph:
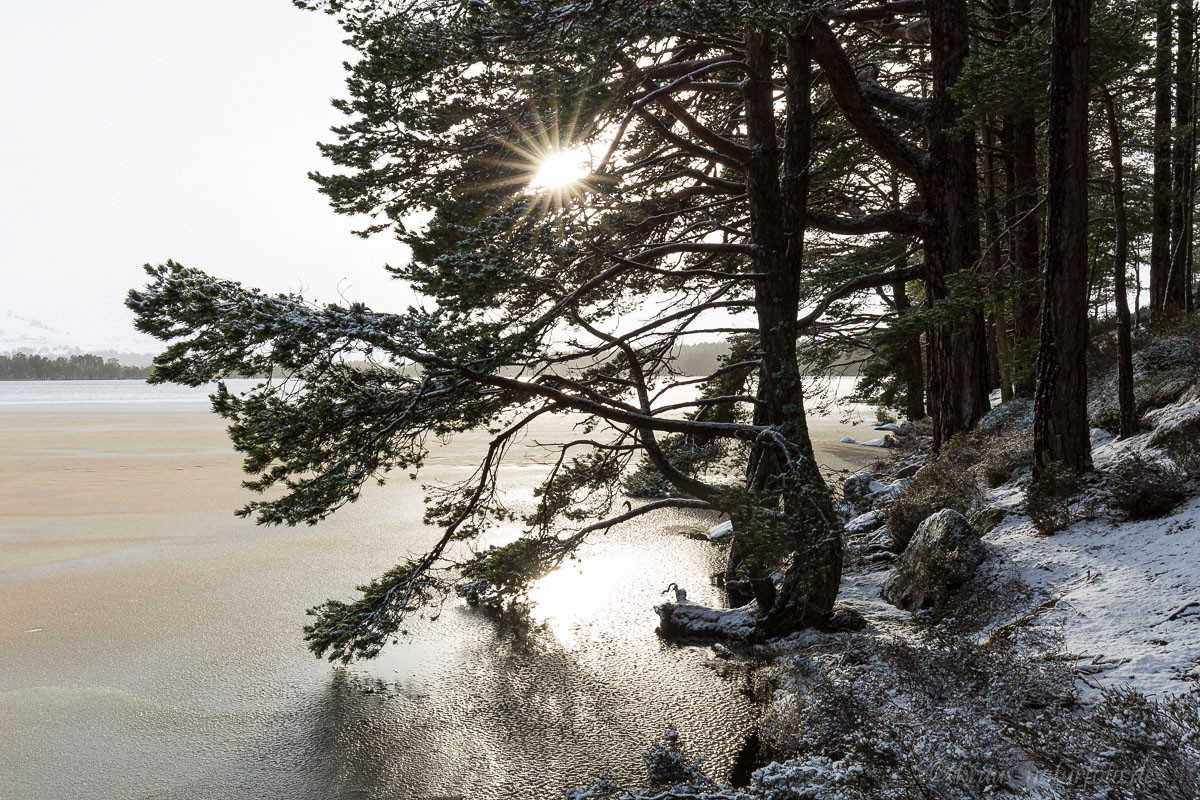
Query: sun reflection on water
(580, 593)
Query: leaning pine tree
(558, 300)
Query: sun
(559, 169)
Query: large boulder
(943, 553)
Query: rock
(886, 441)
(720, 531)
(905, 473)
(1099, 437)
(845, 619)
(984, 520)
(864, 522)
(856, 487)
(1163, 372)
(883, 493)
(877, 488)
(1012, 417)
(943, 553)
(880, 539)
(690, 621)
(881, 559)
(1177, 426)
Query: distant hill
(23, 334)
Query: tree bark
(1025, 224)
(997, 347)
(912, 370)
(1184, 163)
(1128, 423)
(1160, 231)
(957, 350)
(1060, 426)
(777, 206)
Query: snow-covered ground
(1127, 592)
(1123, 595)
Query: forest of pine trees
(25, 367)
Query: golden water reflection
(581, 593)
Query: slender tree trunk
(997, 349)
(1128, 425)
(1137, 294)
(777, 213)
(1060, 428)
(957, 350)
(1025, 223)
(1160, 230)
(912, 370)
(1002, 352)
(1175, 297)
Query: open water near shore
(150, 642)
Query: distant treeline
(22, 367)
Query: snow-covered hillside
(20, 333)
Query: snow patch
(720, 530)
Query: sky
(140, 130)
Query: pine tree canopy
(797, 180)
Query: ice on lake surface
(24, 393)
(170, 662)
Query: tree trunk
(912, 371)
(1183, 157)
(1002, 353)
(1160, 230)
(1060, 426)
(1025, 224)
(1128, 426)
(997, 349)
(957, 350)
(810, 530)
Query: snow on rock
(849, 440)
(1015, 415)
(721, 530)
(1163, 371)
(857, 486)
(885, 441)
(882, 493)
(687, 620)
(1174, 421)
(865, 522)
(1099, 436)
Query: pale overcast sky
(140, 130)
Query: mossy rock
(942, 555)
